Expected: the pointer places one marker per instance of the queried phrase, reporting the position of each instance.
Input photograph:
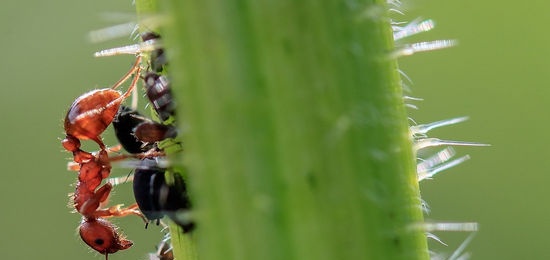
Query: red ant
(92, 112)
(87, 119)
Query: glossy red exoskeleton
(86, 119)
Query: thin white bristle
(434, 237)
(457, 254)
(425, 128)
(404, 75)
(412, 28)
(436, 159)
(396, 11)
(450, 226)
(412, 98)
(431, 142)
(112, 32)
(411, 49)
(396, 3)
(429, 173)
(425, 206)
(411, 106)
(409, 98)
(120, 180)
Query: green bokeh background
(498, 76)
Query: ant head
(102, 236)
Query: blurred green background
(47, 61)
(497, 76)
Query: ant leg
(97, 139)
(134, 68)
(135, 96)
(118, 211)
(132, 85)
(115, 181)
(149, 154)
(74, 166)
(89, 208)
(72, 144)
(82, 156)
(119, 100)
(114, 149)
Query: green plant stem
(183, 244)
(146, 8)
(297, 137)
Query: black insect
(124, 123)
(158, 196)
(160, 95)
(138, 134)
(158, 57)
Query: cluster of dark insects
(159, 190)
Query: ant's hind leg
(90, 207)
(132, 88)
(118, 211)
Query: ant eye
(99, 241)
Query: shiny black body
(157, 198)
(124, 123)
(150, 132)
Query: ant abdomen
(102, 236)
(91, 113)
